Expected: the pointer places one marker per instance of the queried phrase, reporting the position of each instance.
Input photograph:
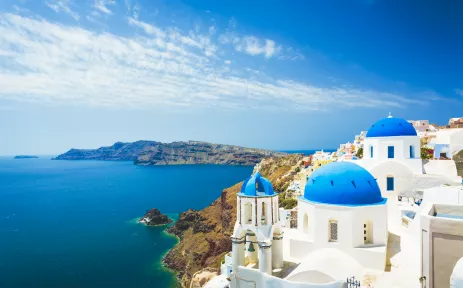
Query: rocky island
(25, 157)
(154, 217)
(175, 153)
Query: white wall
(247, 278)
(401, 151)
(350, 231)
(442, 167)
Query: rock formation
(154, 217)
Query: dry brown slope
(205, 234)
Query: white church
(350, 223)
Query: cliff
(118, 152)
(205, 234)
(157, 153)
(458, 158)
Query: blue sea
(73, 223)
(307, 152)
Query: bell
(251, 248)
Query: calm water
(307, 152)
(70, 223)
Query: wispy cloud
(157, 67)
(459, 92)
(251, 45)
(102, 5)
(62, 6)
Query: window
(390, 183)
(247, 213)
(305, 224)
(412, 151)
(367, 233)
(333, 233)
(390, 152)
(263, 219)
(371, 151)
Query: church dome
(391, 126)
(342, 183)
(256, 185)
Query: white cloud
(158, 68)
(251, 45)
(228, 62)
(459, 92)
(62, 6)
(102, 5)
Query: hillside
(175, 153)
(205, 234)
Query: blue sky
(267, 74)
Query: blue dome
(391, 126)
(256, 185)
(343, 183)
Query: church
(348, 220)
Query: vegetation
(426, 153)
(288, 203)
(359, 153)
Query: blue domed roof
(391, 126)
(343, 183)
(256, 185)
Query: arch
(390, 183)
(305, 224)
(332, 231)
(247, 215)
(263, 218)
(368, 232)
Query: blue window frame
(371, 151)
(412, 151)
(390, 152)
(390, 183)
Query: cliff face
(205, 234)
(118, 152)
(157, 153)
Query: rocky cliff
(205, 234)
(154, 217)
(157, 153)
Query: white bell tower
(257, 237)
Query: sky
(267, 74)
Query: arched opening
(368, 233)
(305, 224)
(247, 213)
(412, 151)
(390, 183)
(333, 231)
(263, 218)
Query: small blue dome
(256, 185)
(391, 126)
(342, 183)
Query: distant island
(25, 157)
(156, 153)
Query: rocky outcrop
(157, 153)
(205, 234)
(154, 217)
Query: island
(25, 157)
(154, 217)
(149, 153)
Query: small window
(371, 151)
(333, 231)
(390, 183)
(412, 151)
(390, 152)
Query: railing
(353, 283)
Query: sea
(71, 224)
